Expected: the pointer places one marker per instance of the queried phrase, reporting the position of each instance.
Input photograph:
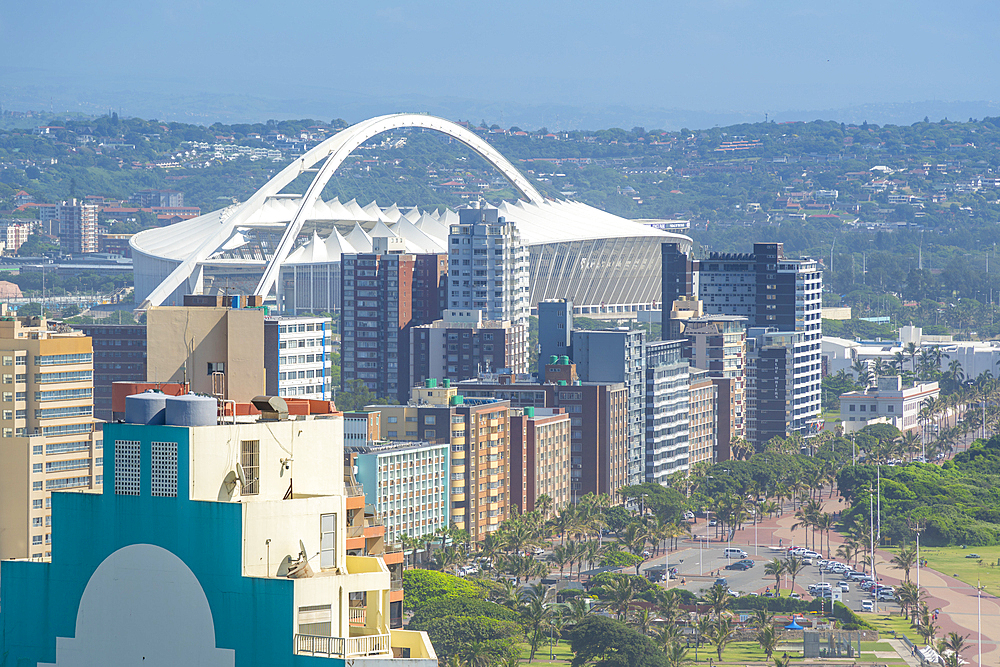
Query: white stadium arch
(170, 261)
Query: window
(163, 481)
(36, 539)
(250, 462)
(36, 504)
(36, 450)
(327, 540)
(127, 467)
(852, 408)
(216, 367)
(36, 486)
(429, 434)
(57, 359)
(429, 419)
(59, 466)
(69, 483)
(36, 522)
(393, 420)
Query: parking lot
(699, 566)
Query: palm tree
(560, 557)
(722, 634)
(955, 643)
(618, 595)
(577, 610)
(793, 566)
(905, 560)
(775, 568)
(912, 349)
(535, 617)
(863, 371)
(825, 523)
(718, 599)
(925, 625)
(910, 597)
(762, 618)
(643, 621)
(768, 640)
(847, 552)
(677, 655)
(635, 539)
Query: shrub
(620, 559)
(420, 586)
(441, 607)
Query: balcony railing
(353, 490)
(341, 647)
(356, 615)
(396, 584)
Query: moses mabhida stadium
(601, 262)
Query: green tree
(604, 642)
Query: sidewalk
(956, 600)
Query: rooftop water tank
(457, 399)
(446, 382)
(430, 383)
(148, 408)
(564, 360)
(192, 410)
(529, 412)
(553, 359)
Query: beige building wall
(47, 439)
(187, 343)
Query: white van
(734, 552)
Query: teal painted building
(147, 577)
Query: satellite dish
(230, 482)
(240, 476)
(299, 569)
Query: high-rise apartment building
(47, 438)
(666, 414)
(119, 356)
(478, 432)
(299, 348)
(618, 356)
(555, 330)
(463, 345)
(385, 293)
(539, 457)
(774, 293)
(488, 271)
(77, 227)
(783, 380)
(702, 417)
(717, 343)
(407, 483)
(599, 414)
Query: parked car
(845, 587)
(867, 605)
(740, 565)
(795, 596)
(721, 581)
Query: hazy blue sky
(712, 55)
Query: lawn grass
(886, 624)
(741, 652)
(952, 561)
(560, 651)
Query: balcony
(340, 647)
